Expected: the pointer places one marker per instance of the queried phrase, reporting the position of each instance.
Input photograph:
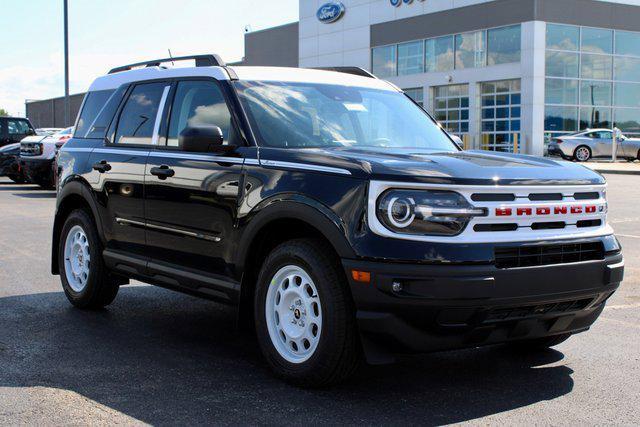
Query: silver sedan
(593, 143)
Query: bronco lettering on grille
(547, 210)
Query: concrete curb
(618, 172)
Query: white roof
(281, 74)
(306, 75)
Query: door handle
(102, 166)
(163, 172)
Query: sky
(107, 33)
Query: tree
(3, 112)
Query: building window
(417, 94)
(561, 91)
(563, 37)
(410, 58)
(451, 108)
(596, 40)
(383, 61)
(627, 43)
(460, 51)
(562, 64)
(627, 69)
(503, 45)
(500, 117)
(471, 50)
(606, 66)
(439, 54)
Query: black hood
(460, 167)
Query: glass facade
(417, 94)
(592, 79)
(500, 117)
(460, 51)
(451, 108)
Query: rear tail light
(557, 140)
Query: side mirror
(31, 132)
(201, 139)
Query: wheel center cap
(296, 313)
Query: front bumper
(442, 307)
(39, 171)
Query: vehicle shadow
(163, 358)
(10, 186)
(43, 195)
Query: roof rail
(201, 61)
(357, 71)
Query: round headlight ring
(401, 211)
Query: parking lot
(160, 357)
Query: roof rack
(201, 61)
(357, 71)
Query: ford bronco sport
(333, 210)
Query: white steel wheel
(77, 258)
(293, 314)
(583, 154)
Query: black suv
(333, 210)
(14, 129)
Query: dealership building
(504, 75)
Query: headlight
(427, 213)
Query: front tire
(304, 315)
(85, 279)
(582, 153)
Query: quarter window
(199, 103)
(138, 117)
(93, 104)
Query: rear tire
(582, 153)
(540, 343)
(304, 315)
(85, 279)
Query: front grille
(529, 256)
(514, 313)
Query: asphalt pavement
(159, 357)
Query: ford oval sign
(330, 12)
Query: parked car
(594, 143)
(37, 157)
(10, 163)
(331, 209)
(47, 131)
(14, 129)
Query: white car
(37, 155)
(48, 131)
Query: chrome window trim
(156, 125)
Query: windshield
(304, 115)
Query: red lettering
(524, 211)
(576, 209)
(560, 210)
(590, 209)
(543, 211)
(503, 211)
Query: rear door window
(137, 122)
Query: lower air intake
(530, 256)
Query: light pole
(67, 106)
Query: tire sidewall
(327, 341)
(82, 219)
(575, 154)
